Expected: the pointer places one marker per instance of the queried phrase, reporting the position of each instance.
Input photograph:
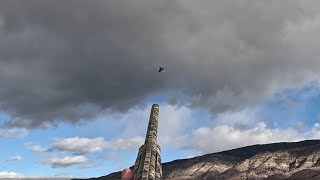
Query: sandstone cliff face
(299, 160)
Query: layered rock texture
(299, 160)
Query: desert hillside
(295, 160)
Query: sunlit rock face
(300, 160)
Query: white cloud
(178, 128)
(315, 131)
(79, 145)
(56, 162)
(124, 144)
(316, 127)
(224, 137)
(176, 124)
(244, 117)
(6, 174)
(35, 147)
(173, 120)
(228, 130)
(299, 126)
(14, 133)
(15, 158)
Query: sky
(78, 79)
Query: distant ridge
(285, 160)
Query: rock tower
(148, 163)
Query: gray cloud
(75, 62)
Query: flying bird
(161, 69)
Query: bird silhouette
(161, 69)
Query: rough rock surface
(299, 160)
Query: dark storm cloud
(71, 60)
